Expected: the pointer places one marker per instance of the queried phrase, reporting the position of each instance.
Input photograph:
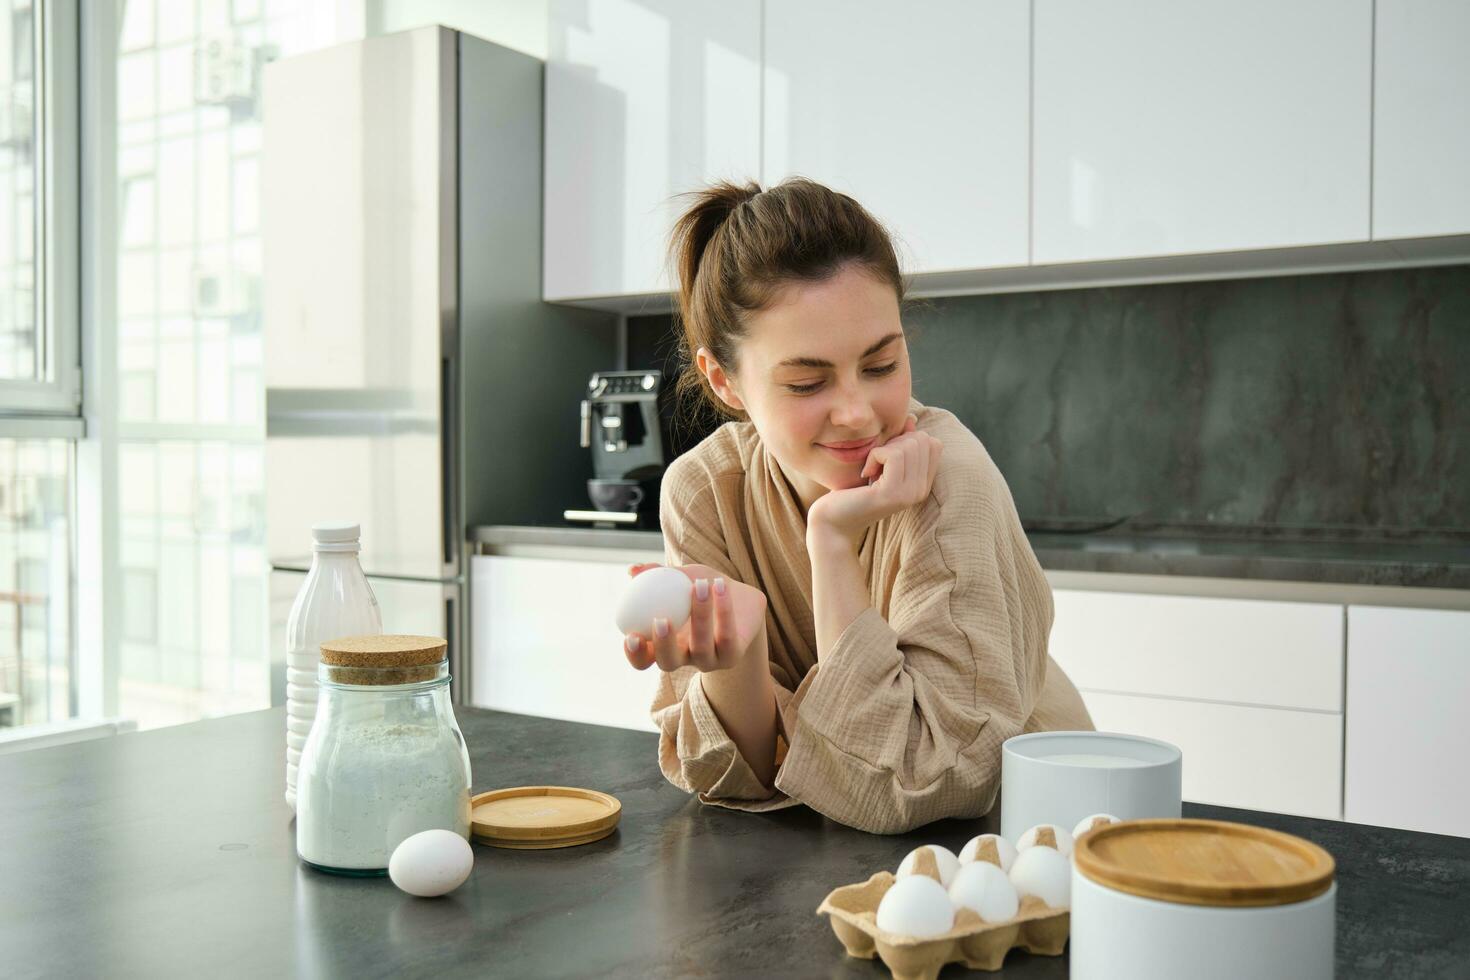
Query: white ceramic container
(1226, 900)
(1061, 777)
(1117, 935)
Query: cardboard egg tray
(1037, 928)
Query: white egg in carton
(972, 909)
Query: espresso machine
(621, 425)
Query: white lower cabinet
(1408, 711)
(1247, 651)
(543, 641)
(1234, 755)
(1250, 690)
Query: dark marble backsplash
(1329, 404)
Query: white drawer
(1244, 651)
(1257, 758)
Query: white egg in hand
(1059, 838)
(1005, 851)
(916, 906)
(947, 864)
(985, 888)
(1044, 873)
(661, 593)
(431, 863)
(1088, 823)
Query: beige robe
(903, 720)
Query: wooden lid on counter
(1204, 862)
(535, 817)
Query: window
(186, 383)
(38, 267)
(153, 519)
(35, 595)
(39, 376)
(21, 346)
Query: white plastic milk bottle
(335, 601)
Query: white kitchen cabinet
(921, 113)
(1257, 758)
(644, 100)
(1249, 689)
(1408, 727)
(1250, 651)
(544, 641)
(1421, 118)
(1167, 127)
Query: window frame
(51, 407)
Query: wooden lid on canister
(383, 659)
(1204, 862)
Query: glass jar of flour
(385, 758)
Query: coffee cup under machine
(620, 424)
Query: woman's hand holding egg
(904, 468)
(725, 619)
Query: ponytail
(735, 246)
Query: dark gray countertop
(1440, 563)
(171, 853)
(1437, 564)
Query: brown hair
(736, 246)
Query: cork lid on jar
(388, 658)
(1204, 862)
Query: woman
(869, 623)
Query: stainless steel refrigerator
(415, 382)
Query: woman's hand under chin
(905, 468)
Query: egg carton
(853, 910)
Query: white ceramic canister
(1202, 899)
(1061, 777)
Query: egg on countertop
(916, 906)
(431, 863)
(1004, 850)
(656, 593)
(1046, 834)
(1044, 873)
(946, 864)
(984, 887)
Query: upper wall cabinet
(1167, 127)
(919, 112)
(1421, 119)
(645, 99)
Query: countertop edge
(1273, 563)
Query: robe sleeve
(694, 751)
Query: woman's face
(824, 376)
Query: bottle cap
(335, 532)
